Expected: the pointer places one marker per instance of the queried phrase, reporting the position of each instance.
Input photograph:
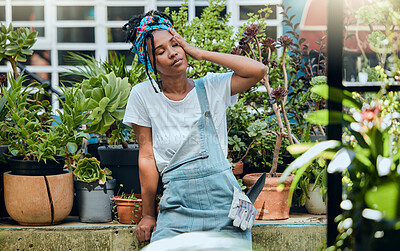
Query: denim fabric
(198, 188)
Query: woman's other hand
(145, 228)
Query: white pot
(363, 77)
(315, 205)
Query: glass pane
(128, 55)
(75, 13)
(171, 8)
(123, 13)
(40, 30)
(39, 58)
(39, 77)
(75, 35)
(244, 9)
(271, 31)
(199, 10)
(2, 13)
(69, 80)
(115, 35)
(63, 56)
(27, 13)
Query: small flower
(383, 165)
(279, 93)
(346, 205)
(252, 30)
(268, 43)
(3, 78)
(372, 214)
(237, 50)
(285, 41)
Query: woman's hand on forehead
(193, 51)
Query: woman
(180, 125)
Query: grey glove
(242, 211)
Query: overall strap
(202, 96)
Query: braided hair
(131, 29)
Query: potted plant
(255, 44)
(94, 190)
(368, 159)
(37, 191)
(128, 208)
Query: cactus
(106, 98)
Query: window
(75, 13)
(123, 12)
(2, 13)
(64, 56)
(244, 9)
(75, 35)
(27, 13)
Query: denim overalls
(198, 187)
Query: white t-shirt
(171, 121)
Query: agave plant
(106, 97)
(88, 170)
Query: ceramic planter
(38, 200)
(129, 210)
(315, 204)
(94, 201)
(271, 204)
(3, 168)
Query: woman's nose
(172, 52)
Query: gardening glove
(242, 211)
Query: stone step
(299, 232)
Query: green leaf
(385, 198)
(72, 147)
(324, 117)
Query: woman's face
(170, 57)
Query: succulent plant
(88, 170)
(105, 97)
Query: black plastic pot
(94, 201)
(123, 163)
(18, 166)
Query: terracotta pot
(271, 204)
(38, 200)
(237, 169)
(129, 210)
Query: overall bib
(198, 184)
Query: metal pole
(334, 64)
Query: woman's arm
(247, 72)
(149, 176)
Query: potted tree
(95, 189)
(253, 43)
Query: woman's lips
(177, 62)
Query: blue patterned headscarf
(148, 23)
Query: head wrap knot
(148, 23)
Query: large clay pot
(237, 169)
(38, 200)
(129, 210)
(315, 204)
(272, 203)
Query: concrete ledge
(299, 232)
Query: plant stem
(247, 150)
(272, 172)
(259, 49)
(284, 71)
(14, 66)
(287, 122)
